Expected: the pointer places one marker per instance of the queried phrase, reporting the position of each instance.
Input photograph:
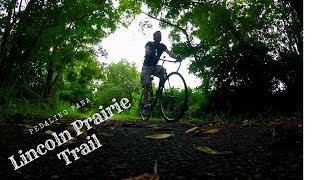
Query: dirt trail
(270, 150)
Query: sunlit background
(128, 43)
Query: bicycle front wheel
(174, 98)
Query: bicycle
(173, 95)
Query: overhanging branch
(184, 31)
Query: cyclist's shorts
(147, 71)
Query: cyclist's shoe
(146, 110)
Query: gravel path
(270, 150)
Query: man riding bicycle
(153, 51)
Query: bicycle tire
(174, 102)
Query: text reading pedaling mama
(59, 139)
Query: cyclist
(153, 51)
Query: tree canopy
(248, 53)
(48, 48)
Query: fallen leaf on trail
(190, 130)
(73, 141)
(213, 131)
(158, 136)
(84, 133)
(131, 125)
(247, 123)
(26, 126)
(72, 130)
(146, 176)
(105, 134)
(222, 123)
(210, 151)
(163, 129)
(153, 125)
(48, 132)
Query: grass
(38, 109)
(124, 116)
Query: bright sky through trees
(128, 43)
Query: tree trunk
(49, 82)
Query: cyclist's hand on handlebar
(178, 59)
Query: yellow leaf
(213, 131)
(190, 130)
(46, 124)
(26, 126)
(210, 151)
(158, 136)
(48, 132)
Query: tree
(43, 42)
(122, 80)
(244, 51)
(47, 48)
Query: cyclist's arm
(148, 50)
(171, 54)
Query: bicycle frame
(175, 110)
(160, 86)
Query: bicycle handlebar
(166, 60)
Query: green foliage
(35, 108)
(122, 80)
(59, 107)
(78, 80)
(247, 53)
(195, 103)
(47, 48)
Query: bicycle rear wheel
(143, 117)
(174, 98)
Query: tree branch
(184, 31)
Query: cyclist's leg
(145, 81)
(160, 72)
(145, 94)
